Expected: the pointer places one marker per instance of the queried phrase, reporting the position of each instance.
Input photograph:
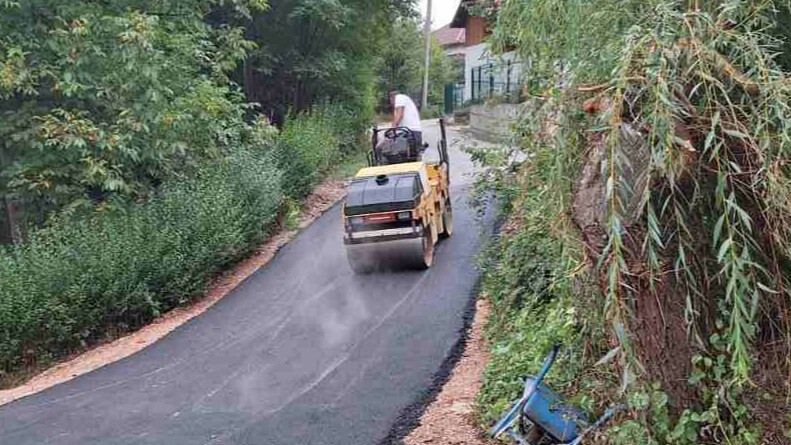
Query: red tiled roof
(447, 36)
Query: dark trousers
(418, 135)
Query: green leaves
(697, 214)
(311, 143)
(315, 51)
(531, 285)
(109, 99)
(16, 76)
(399, 64)
(331, 13)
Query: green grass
(533, 304)
(349, 166)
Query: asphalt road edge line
(409, 418)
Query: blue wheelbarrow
(541, 417)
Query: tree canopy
(104, 98)
(401, 63)
(309, 51)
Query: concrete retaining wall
(490, 123)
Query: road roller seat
(396, 151)
(397, 145)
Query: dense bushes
(313, 142)
(536, 299)
(117, 270)
(679, 200)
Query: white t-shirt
(411, 118)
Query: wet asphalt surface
(303, 352)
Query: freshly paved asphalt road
(303, 352)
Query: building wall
(474, 57)
(480, 56)
(476, 30)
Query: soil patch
(324, 196)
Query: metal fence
(503, 79)
(454, 97)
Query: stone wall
(491, 123)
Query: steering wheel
(395, 133)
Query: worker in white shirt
(405, 114)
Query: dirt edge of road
(323, 198)
(450, 418)
(445, 414)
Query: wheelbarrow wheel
(532, 434)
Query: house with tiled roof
(452, 40)
(484, 73)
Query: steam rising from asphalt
(333, 309)
(337, 320)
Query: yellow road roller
(399, 207)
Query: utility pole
(428, 55)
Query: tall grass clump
(313, 142)
(678, 197)
(80, 278)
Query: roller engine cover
(384, 193)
